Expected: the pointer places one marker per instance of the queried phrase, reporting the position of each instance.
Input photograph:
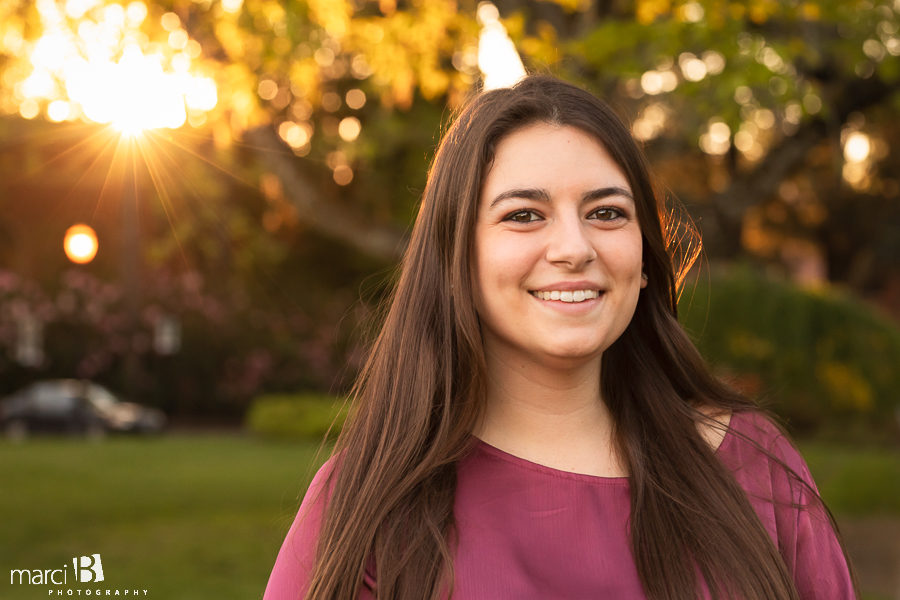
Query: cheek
(501, 264)
(626, 258)
(479, 273)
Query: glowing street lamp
(94, 63)
(80, 244)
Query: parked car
(76, 407)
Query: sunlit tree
(750, 93)
(768, 118)
(287, 142)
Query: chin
(575, 353)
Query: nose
(568, 243)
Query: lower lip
(572, 308)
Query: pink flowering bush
(231, 348)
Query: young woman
(532, 421)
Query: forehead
(552, 157)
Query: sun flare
(93, 63)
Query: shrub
(828, 361)
(305, 415)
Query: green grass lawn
(183, 517)
(856, 481)
(199, 517)
(862, 484)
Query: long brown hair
(421, 394)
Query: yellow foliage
(761, 11)
(402, 86)
(737, 11)
(12, 33)
(716, 14)
(745, 344)
(231, 38)
(544, 48)
(387, 7)
(404, 50)
(333, 15)
(16, 67)
(572, 6)
(648, 11)
(237, 85)
(515, 25)
(304, 75)
(433, 83)
(847, 388)
(810, 11)
(282, 46)
(274, 14)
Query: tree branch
(730, 206)
(330, 217)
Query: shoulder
(756, 442)
(296, 558)
(317, 494)
(774, 475)
(767, 465)
(751, 426)
(754, 434)
(781, 489)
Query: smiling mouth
(568, 295)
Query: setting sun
(93, 63)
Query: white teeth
(568, 296)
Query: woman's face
(557, 270)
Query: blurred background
(204, 201)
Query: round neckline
(622, 479)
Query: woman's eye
(606, 214)
(522, 216)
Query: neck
(548, 411)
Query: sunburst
(123, 96)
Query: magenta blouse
(527, 531)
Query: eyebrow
(542, 195)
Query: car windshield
(102, 398)
(55, 396)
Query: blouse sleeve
(808, 541)
(291, 574)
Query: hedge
(824, 359)
(301, 416)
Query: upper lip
(570, 286)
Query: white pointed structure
(498, 58)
